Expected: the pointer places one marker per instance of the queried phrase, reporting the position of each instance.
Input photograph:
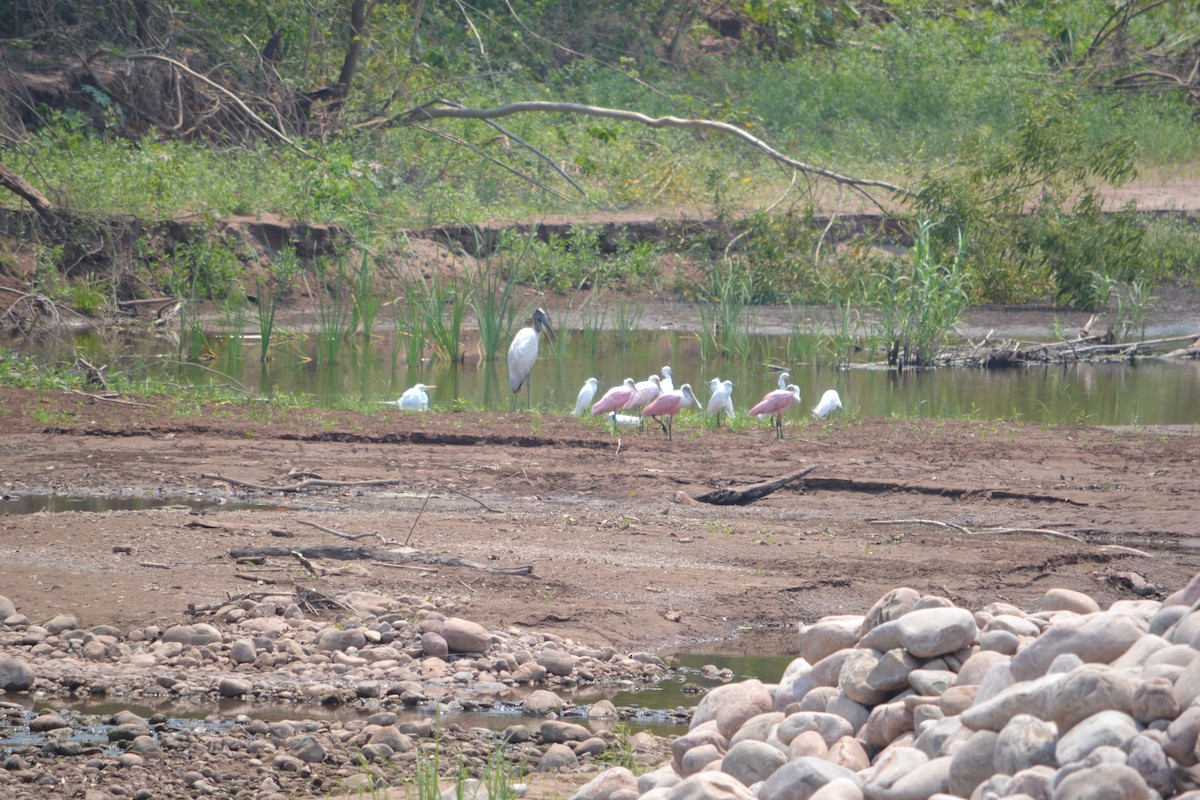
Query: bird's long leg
(670, 425)
(660, 423)
(528, 393)
(779, 425)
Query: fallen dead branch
(748, 494)
(984, 532)
(1087, 347)
(952, 492)
(109, 398)
(351, 536)
(363, 553)
(309, 483)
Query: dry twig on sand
(967, 531)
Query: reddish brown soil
(619, 554)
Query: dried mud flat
(619, 554)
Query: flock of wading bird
(656, 397)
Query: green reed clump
(281, 274)
(440, 302)
(725, 326)
(490, 288)
(919, 308)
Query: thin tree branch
(442, 109)
(245, 109)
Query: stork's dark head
(541, 322)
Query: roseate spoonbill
(830, 402)
(645, 391)
(585, 396)
(669, 404)
(721, 400)
(776, 403)
(615, 398)
(523, 352)
(667, 382)
(414, 398)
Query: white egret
(585, 396)
(783, 380)
(628, 420)
(415, 398)
(523, 352)
(667, 382)
(721, 400)
(830, 402)
(775, 403)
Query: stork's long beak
(545, 323)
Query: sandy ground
(619, 552)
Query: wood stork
(776, 403)
(523, 352)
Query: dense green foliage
(982, 111)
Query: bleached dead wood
(362, 553)
(983, 532)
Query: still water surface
(1148, 392)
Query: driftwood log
(363, 553)
(748, 494)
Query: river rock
(802, 777)
(557, 662)
(931, 681)
(883, 637)
(853, 678)
(891, 670)
(758, 728)
(1103, 782)
(732, 704)
(934, 632)
(341, 640)
(785, 691)
(558, 757)
(706, 733)
(808, 743)
(1112, 728)
(555, 730)
(47, 721)
(848, 752)
(7, 608)
(972, 763)
(60, 623)
(752, 761)
(16, 675)
(432, 644)
(886, 723)
(855, 713)
(464, 636)
(1147, 757)
(828, 635)
(923, 783)
(890, 766)
(618, 781)
(1068, 600)
(709, 785)
(602, 709)
(306, 747)
(830, 726)
(1097, 638)
(1025, 742)
(233, 687)
(1181, 739)
(892, 606)
(1088, 690)
(542, 702)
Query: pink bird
(615, 398)
(668, 404)
(645, 392)
(776, 403)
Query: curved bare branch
(441, 109)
